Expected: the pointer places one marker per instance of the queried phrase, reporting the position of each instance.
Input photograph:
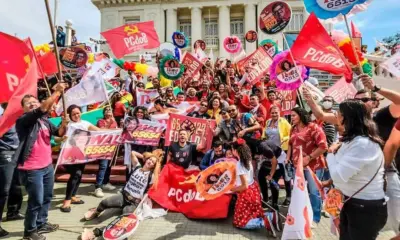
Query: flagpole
(353, 45)
(297, 70)
(53, 35)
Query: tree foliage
(392, 41)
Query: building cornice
(119, 3)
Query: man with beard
(183, 153)
(215, 153)
(202, 113)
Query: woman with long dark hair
(311, 139)
(75, 170)
(248, 210)
(356, 166)
(118, 107)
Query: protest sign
(288, 101)
(200, 130)
(107, 69)
(199, 44)
(73, 57)
(341, 90)
(91, 89)
(192, 64)
(87, 146)
(393, 64)
(130, 38)
(257, 64)
(275, 17)
(145, 97)
(251, 36)
(121, 227)
(176, 191)
(216, 180)
(142, 132)
(287, 75)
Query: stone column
(224, 28)
(196, 21)
(250, 24)
(172, 23)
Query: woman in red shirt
(119, 108)
(311, 139)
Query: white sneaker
(98, 193)
(109, 187)
(314, 225)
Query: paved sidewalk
(172, 226)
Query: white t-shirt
(137, 183)
(241, 170)
(82, 125)
(354, 165)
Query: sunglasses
(231, 111)
(204, 105)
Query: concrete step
(91, 178)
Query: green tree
(392, 41)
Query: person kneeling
(133, 192)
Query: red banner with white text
(257, 64)
(192, 64)
(288, 98)
(341, 90)
(176, 191)
(200, 130)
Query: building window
(297, 21)
(132, 20)
(211, 33)
(237, 28)
(185, 26)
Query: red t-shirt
(102, 123)
(192, 99)
(119, 109)
(309, 138)
(40, 156)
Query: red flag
(28, 43)
(131, 38)
(176, 191)
(314, 48)
(15, 58)
(48, 63)
(355, 32)
(23, 75)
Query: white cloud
(28, 18)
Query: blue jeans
(39, 186)
(103, 175)
(313, 192)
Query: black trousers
(74, 180)
(10, 185)
(362, 219)
(264, 171)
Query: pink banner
(341, 90)
(192, 64)
(257, 65)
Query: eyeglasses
(204, 105)
(231, 111)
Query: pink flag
(355, 32)
(341, 90)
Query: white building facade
(210, 21)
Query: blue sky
(381, 19)
(28, 18)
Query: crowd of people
(344, 147)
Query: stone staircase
(89, 175)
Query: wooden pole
(53, 35)
(353, 45)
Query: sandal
(80, 201)
(65, 209)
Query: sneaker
(314, 225)
(98, 193)
(286, 203)
(48, 228)
(3, 232)
(91, 214)
(34, 236)
(109, 187)
(325, 214)
(15, 216)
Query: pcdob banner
(144, 132)
(199, 130)
(86, 146)
(176, 191)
